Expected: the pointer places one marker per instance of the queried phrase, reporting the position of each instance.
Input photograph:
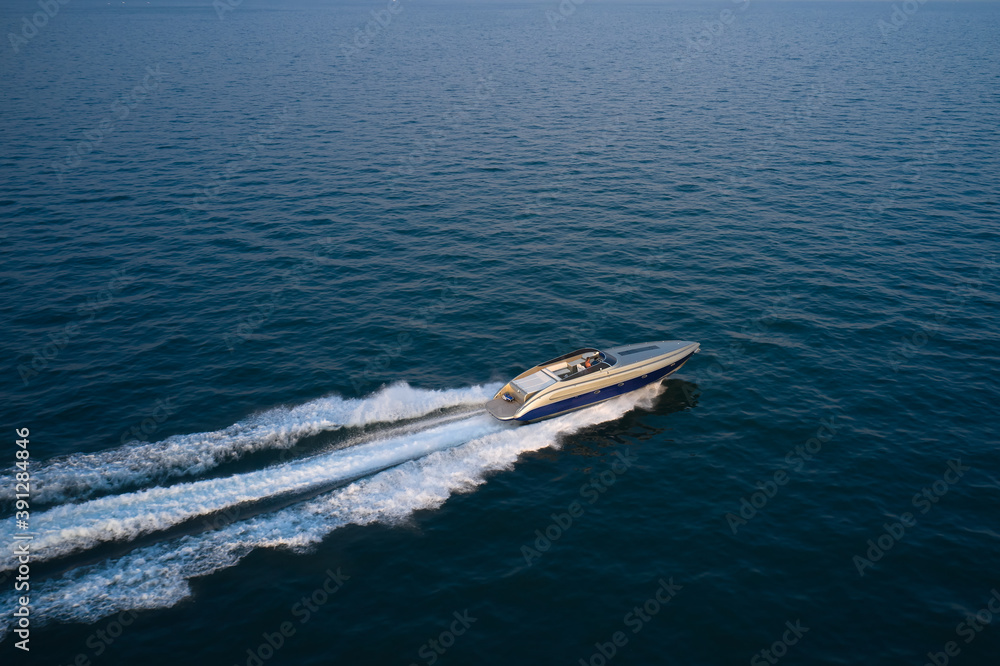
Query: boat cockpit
(577, 364)
(570, 366)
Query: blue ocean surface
(263, 263)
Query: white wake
(158, 575)
(82, 475)
(73, 527)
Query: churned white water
(434, 464)
(82, 475)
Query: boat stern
(505, 404)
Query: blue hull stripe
(590, 398)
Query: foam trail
(73, 527)
(158, 576)
(80, 476)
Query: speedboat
(585, 377)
